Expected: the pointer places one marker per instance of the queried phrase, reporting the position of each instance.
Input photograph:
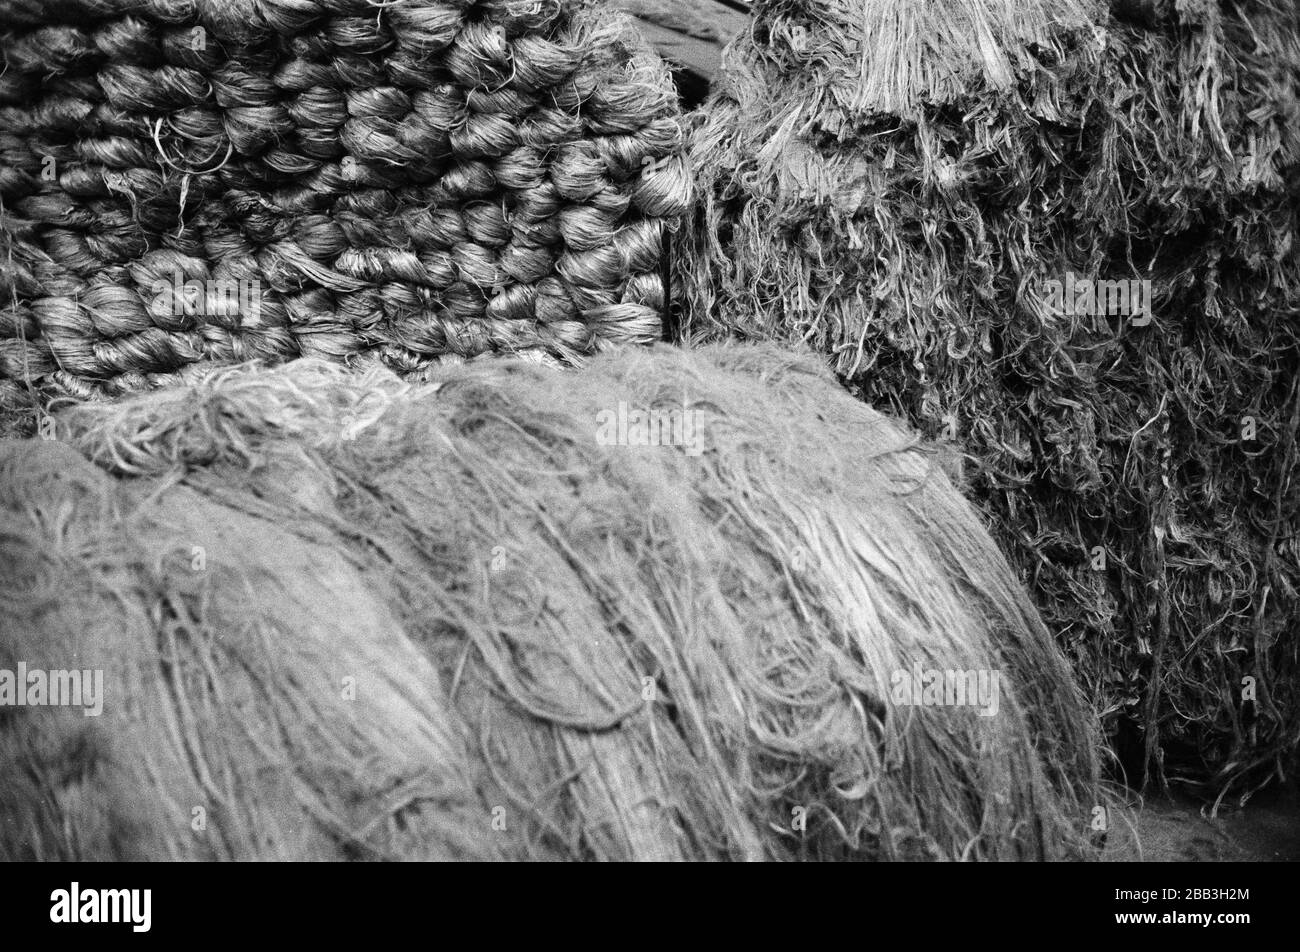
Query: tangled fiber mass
(346, 615)
(897, 183)
(190, 181)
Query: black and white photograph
(477, 431)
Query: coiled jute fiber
(899, 183)
(195, 181)
(344, 615)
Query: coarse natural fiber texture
(344, 615)
(898, 188)
(195, 181)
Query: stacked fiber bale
(495, 615)
(186, 182)
(899, 184)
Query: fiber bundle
(501, 614)
(1064, 240)
(197, 181)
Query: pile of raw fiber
(186, 181)
(340, 614)
(899, 183)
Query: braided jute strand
(406, 181)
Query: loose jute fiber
(196, 181)
(673, 605)
(1062, 237)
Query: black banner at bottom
(143, 902)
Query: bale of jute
(226, 731)
(1064, 240)
(674, 605)
(195, 181)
